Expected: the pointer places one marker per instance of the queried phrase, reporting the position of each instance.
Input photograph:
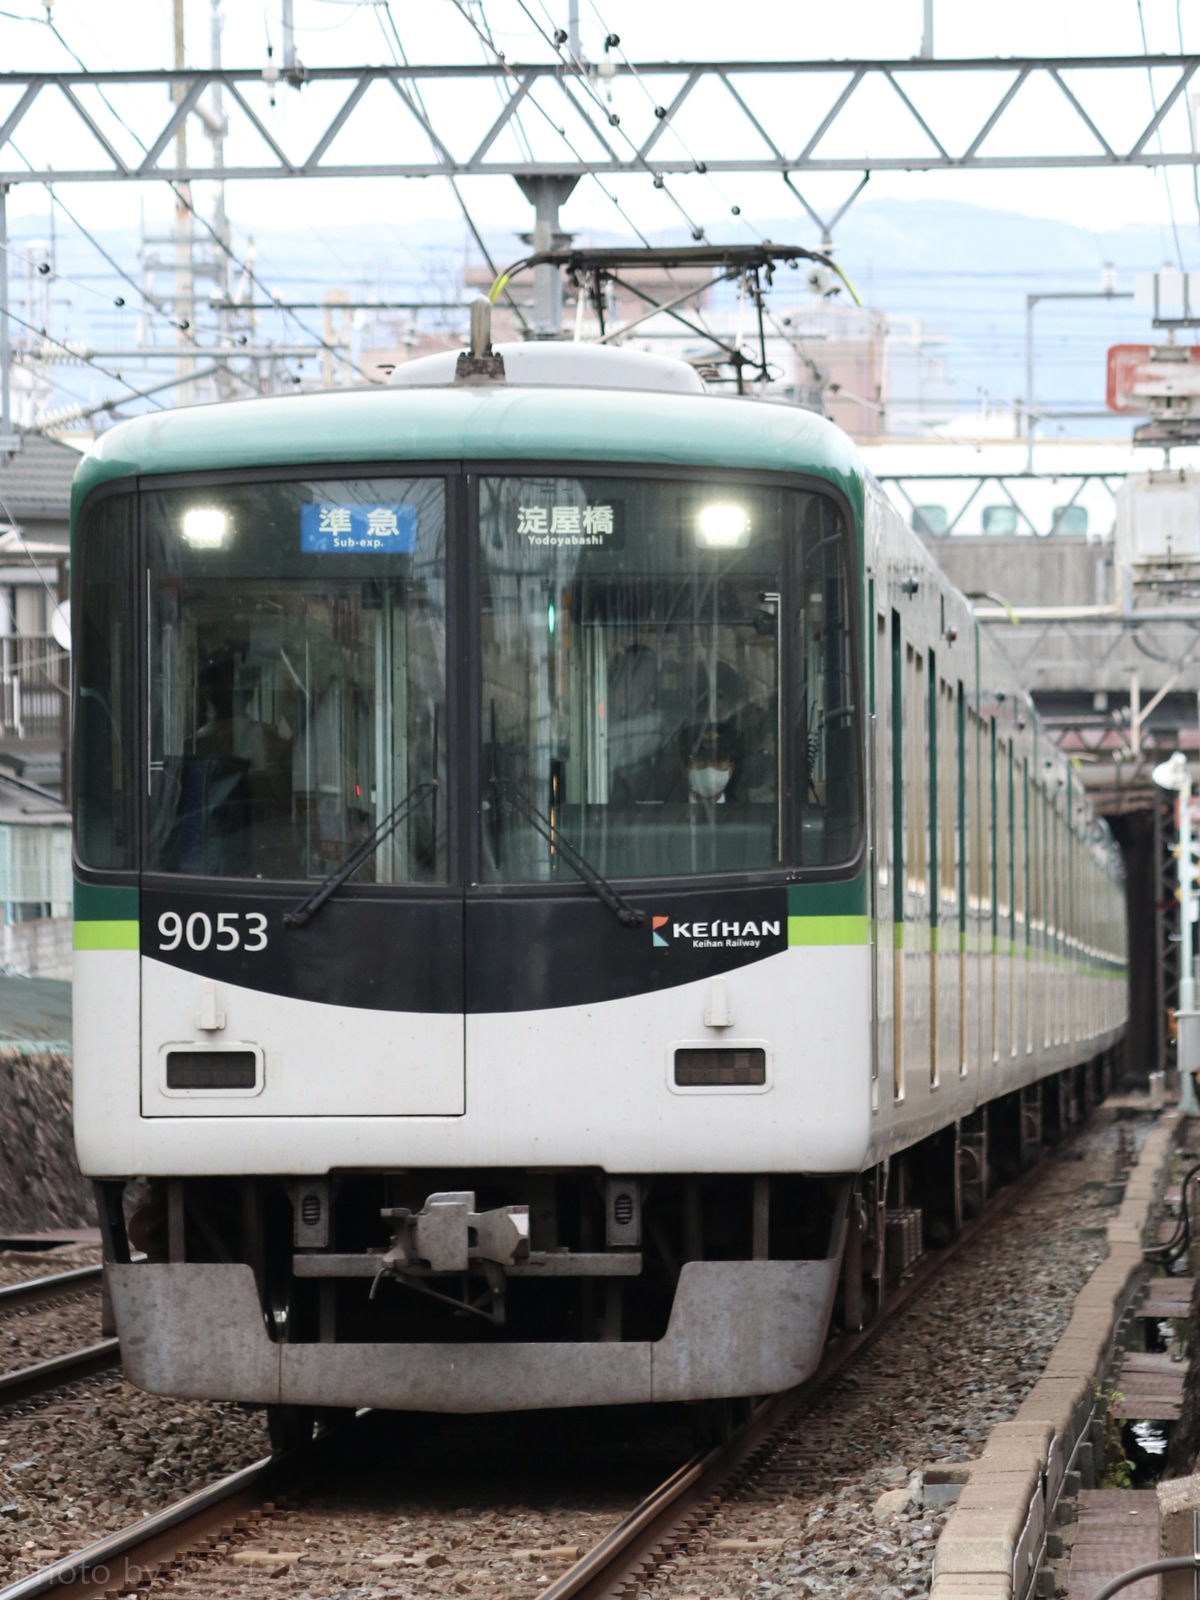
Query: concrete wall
(1029, 571)
(40, 948)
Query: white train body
(673, 1119)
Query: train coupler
(448, 1235)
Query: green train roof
(476, 423)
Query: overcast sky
(108, 34)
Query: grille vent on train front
(702, 1069)
(211, 1069)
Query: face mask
(708, 782)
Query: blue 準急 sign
(347, 530)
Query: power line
(562, 132)
(556, 43)
(384, 7)
(185, 200)
(1158, 136)
(86, 360)
(664, 116)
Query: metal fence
(34, 681)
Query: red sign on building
(1154, 380)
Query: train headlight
(204, 527)
(723, 527)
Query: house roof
(36, 480)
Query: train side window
(947, 795)
(917, 778)
(978, 854)
(1019, 780)
(105, 814)
(883, 767)
(1003, 829)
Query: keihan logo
(716, 935)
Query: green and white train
(568, 901)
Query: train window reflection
(297, 679)
(634, 688)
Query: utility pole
(927, 33)
(216, 134)
(289, 39)
(1107, 291)
(9, 441)
(546, 195)
(182, 304)
(573, 46)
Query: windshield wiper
(505, 791)
(308, 908)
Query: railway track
(642, 1542)
(49, 1287)
(663, 1522)
(23, 1382)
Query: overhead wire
(500, 283)
(557, 40)
(148, 299)
(613, 118)
(184, 199)
(488, 43)
(562, 132)
(396, 44)
(1158, 136)
(76, 355)
(1192, 113)
(663, 116)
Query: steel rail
(656, 1526)
(697, 1487)
(45, 1288)
(152, 1540)
(53, 1373)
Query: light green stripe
(106, 936)
(827, 930)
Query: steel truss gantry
(794, 117)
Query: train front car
(473, 995)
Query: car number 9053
(234, 930)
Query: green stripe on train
(106, 936)
(106, 916)
(827, 930)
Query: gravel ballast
(468, 1508)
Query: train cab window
(637, 695)
(105, 792)
(297, 679)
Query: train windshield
(297, 679)
(667, 678)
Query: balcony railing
(34, 687)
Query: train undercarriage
(453, 1291)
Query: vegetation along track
(258, 1524)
